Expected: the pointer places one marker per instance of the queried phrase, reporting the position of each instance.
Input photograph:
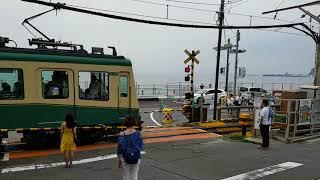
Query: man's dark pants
(264, 130)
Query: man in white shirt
(265, 122)
(230, 101)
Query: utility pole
(314, 35)
(317, 67)
(236, 65)
(227, 47)
(216, 85)
(227, 71)
(317, 62)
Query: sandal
(66, 166)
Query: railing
(267, 86)
(180, 88)
(176, 89)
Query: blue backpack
(130, 154)
(271, 114)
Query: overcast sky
(159, 50)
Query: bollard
(244, 130)
(244, 122)
(167, 116)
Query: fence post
(312, 115)
(167, 90)
(286, 138)
(179, 90)
(296, 116)
(219, 115)
(153, 90)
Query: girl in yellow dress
(68, 136)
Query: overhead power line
(277, 31)
(293, 7)
(212, 11)
(281, 2)
(64, 6)
(191, 2)
(141, 15)
(149, 2)
(203, 3)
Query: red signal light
(187, 69)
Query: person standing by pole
(265, 122)
(230, 101)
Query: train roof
(61, 56)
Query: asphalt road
(151, 108)
(206, 159)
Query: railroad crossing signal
(190, 77)
(192, 56)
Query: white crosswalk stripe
(265, 171)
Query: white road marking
(265, 171)
(178, 102)
(5, 157)
(52, 165)
(152, 118)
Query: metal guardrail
(180, 88)
(233, 112)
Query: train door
(124, 91)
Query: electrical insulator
(221, 70)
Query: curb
(250, 140)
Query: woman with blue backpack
(130, 145)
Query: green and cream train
(38, 87)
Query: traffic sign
(192, 56)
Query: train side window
(123, 86)
(55, 84)
(94, 86)
(11, 84)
